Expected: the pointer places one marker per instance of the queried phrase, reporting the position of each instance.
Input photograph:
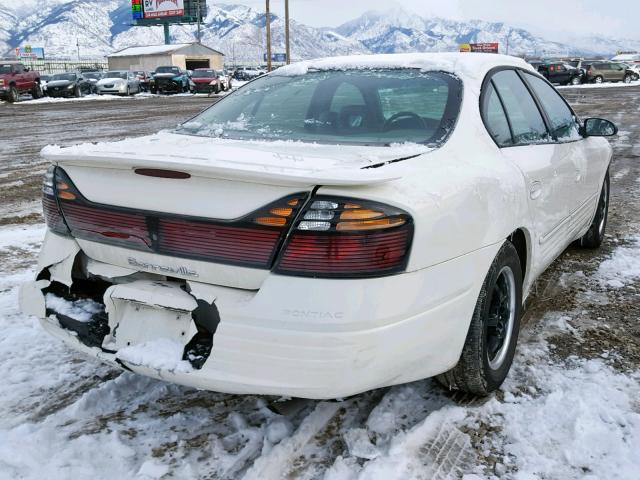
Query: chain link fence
(62, 66)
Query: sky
(561, 19)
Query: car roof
(451, 62)
(471, 67)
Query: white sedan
(332, 227)
(120, 82)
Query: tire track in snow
(276, 463)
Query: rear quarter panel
(462, 197)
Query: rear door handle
(535, 190)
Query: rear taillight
(251, 241)
(342, 237)
(50, 208)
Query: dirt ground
(166, 431)
(27, 127)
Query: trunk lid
(221, 180)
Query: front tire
(595, 235)
(13, 95)
(575, 81)
(77, 92)
(36, 91)
(493, 334)
(599, 79)
(627, 78)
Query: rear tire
(493, 334)
(595, 235)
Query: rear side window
(525, 118)
(562, 121)
(495, 118)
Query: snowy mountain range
(94, 28)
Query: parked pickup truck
(15, 79)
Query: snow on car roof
(469, 65)
(149, 50)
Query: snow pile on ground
(623, 267)
(633, 83)
(573, 420)
(65, 416)
(81, 310)
(160, 354)
(92, 97)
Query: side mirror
(599, 127)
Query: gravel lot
(569, 409)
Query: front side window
(372, 107)
(525, 118)
(495, 118)
(564, 126)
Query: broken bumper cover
(298, 337)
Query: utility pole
(167, 37)
(286, 30)
(198, 15)
(268, 22)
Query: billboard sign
(480, 47)
(160, 12)
(276, 57)
(162, 8)
(30, 52)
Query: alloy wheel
(502, 312)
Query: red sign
(484, 47)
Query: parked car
(121, 82)
(208, 80)
(599, 72)
(561, 73)
(332, 227)
(93, 78)
(144, 78)
(69, 84)
(635, 68)
(246, 74)
(169, 79)
(43, 83)
(15, 79)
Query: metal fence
(61, 66)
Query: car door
(549, 173)
(618, 71)
(563, 74)
(587, 155)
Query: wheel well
(519, 240)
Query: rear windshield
(175, 70)
(95, 75)
(203, 74)
(371, 107)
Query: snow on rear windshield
(373, 107)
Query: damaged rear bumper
(301, 337)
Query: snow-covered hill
(98, 27)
